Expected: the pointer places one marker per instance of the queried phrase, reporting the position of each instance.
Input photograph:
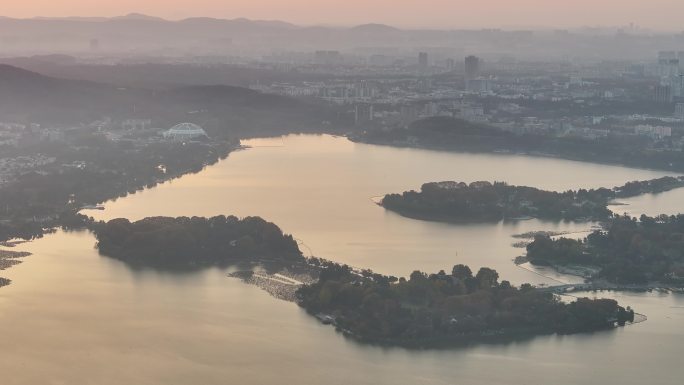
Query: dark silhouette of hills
(151, 75)
(32, 97)
(153, 24)
(26, 95)
(138, 30)
(137, 16)
(138, 35)
(95, 19)
(374, 28)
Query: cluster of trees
(653, 186)
(442, 308)
(182, 243)
(27, 230)
(485, 201)
(629, 251)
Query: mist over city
(341, 192)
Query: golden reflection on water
(319, 189)
(73, 317)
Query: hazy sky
(655, 14)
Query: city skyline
(658, 15)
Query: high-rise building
(479, 85)
(671, 76)
(363, 113)
(663, 93)
(409, 113)
(450, 65)
(473, 66)
(363, 89)
(679, 111)
(423, 60)
(668, 61)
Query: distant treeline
(188, 243)
(443, 309)
(451, 134)
(485, 201)
(629, 251)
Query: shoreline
(281, 285)
(10, 258)
(591, 285)
(508, 152)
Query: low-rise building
(184, 131)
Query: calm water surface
(320, 189)
(74, 317)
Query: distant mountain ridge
(143, 17)
(204, 20)
(137, 16)
(373, 27)
(142, 36)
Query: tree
(487, 278)
(417, 276)
(526, 287)
(461, 272)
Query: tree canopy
(447, 309)
(195, 242)
(629, 251)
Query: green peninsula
(648, 251)
(439, 310)
(491, 202)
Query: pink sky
(655, 14)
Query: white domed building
(185, 131)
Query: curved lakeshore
(458, 135)
(435, 310)
(146, 308)
(10, 258)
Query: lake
(72, 316)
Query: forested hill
(27, 96)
